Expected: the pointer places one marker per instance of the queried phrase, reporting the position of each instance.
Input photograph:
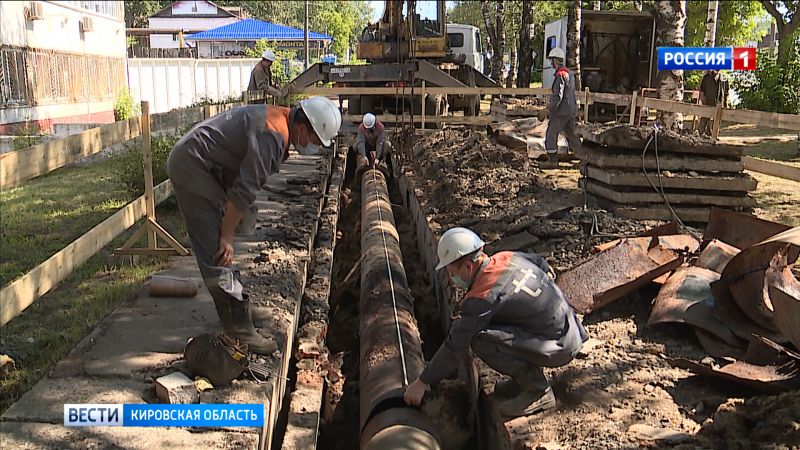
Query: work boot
(551, 163)
(507, 388)
(528, 402)
(237, 323)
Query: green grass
(47, 213)
(762, 142)
(38, 220)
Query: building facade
(60, 62)
(189, 16)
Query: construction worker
(261, 76)
(371, 139)
(514, 318)
(216, 171)
(562, 109)
(713, 90)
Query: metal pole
(306, 33)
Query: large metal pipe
(390, 349)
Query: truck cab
(466, 40)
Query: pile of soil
(523, 103)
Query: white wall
(59, 29)
(169, 83)
(193, 7)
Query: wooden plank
(148, 251)
(603, 158)
(147, 155)
(651, 196)
(390, 118)
(22, 165)
(615, 99)
(678, 107)
(430, 91)
(772, 168)
(20, 294)
(764, 119)
(675, 180)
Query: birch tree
(526, 48)
(671, 25)
(711, 24)
(495, 30)
(574, 40)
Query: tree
(526, 33)
(596, 5)
(711, 24)
(574, 40)
(787, 18)
(737, 23)
(671, 25)
(637, 5)
(495, 30)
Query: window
(478, 42)
(551, 44)
(455, 40)
(426, 19)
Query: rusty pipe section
(390, 345)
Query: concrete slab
(128, 364)
(34, 436)
(45, 402)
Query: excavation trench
(446, 409)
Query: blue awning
(254, 30)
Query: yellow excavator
(411, 43)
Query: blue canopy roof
(254, 30)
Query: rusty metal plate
(716, 256)
(784, 295)
(686, 298)
(726, 310)
(771, 379)
(715, 347)
(739, 230)
(623, 269)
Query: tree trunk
(495, 30)
(637, 5)
(671, 24)
(574, 40)
(786, 32)
(711, 24)
(526, 33)
(512, 66)
(596, 5)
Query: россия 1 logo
(706, 58)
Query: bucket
(163, 286)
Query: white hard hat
(324, 116)
(369, 120)
(557, 53)
(455, 243)
(268, 55)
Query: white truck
(466, 40)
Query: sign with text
(706, 58)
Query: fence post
(633, 109)
(717, 120)
(245, 98)
(147, 152)
(586, 105)
(424, 97)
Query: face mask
(459, 282)
(309, 149)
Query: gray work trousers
(557, 125)
(513, 351)
(203, 216)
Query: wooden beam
(20, 294)
(764, 119)
(674, 198)
(678, 107)
(772, 168)
(390, 118)
(616, 99)
(22, 165)
(147, 156)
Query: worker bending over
(562, 109)
(371, 139)
(513, 316)
(216, 171)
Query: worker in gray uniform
(217, 169)
(514, 318)
(562, 109)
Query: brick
(176, 388)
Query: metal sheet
(623, 269)
(739, 230)
(715, 347)
(784, 295)
(686, 298)
(771, 379)
(726, 310)
(716, 256)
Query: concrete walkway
(144, 339)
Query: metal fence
(34, 77)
